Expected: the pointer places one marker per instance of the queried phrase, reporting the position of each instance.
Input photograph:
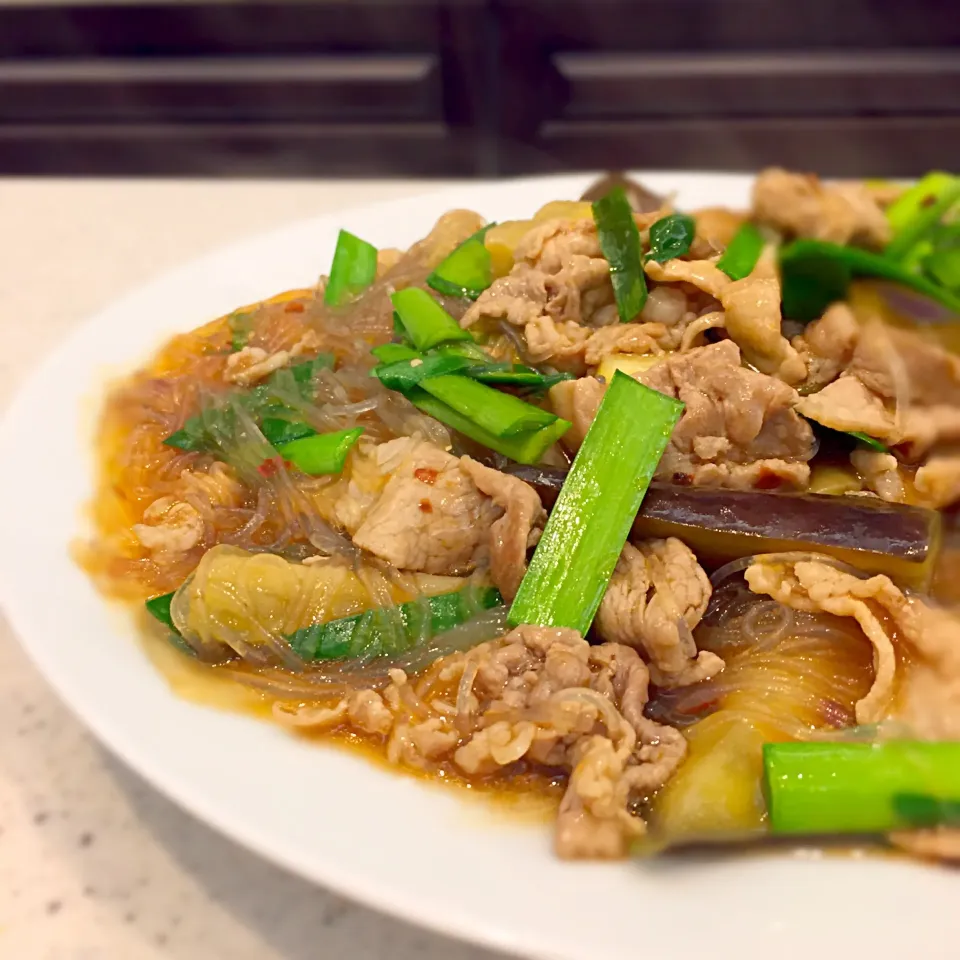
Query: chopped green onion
(306, 370)
(742, 254)
(467, 271)
(466, 348)
(241, 326)
(354, 268)
(918, 210)
(159, 607)
(424, 320)
(835, 788)
(524, 447)
(922, 811)
(589, 523)
(499, 413)
(279, 431)
(391, 630)
(322, 453)
(404, 375)
(815, 273)
(671, 237)
(516, 375)
(394, 352)
(943, 267)
(872, 442)
(620, 243)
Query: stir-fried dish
(653, 504)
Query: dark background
(478, 87)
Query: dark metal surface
(478, 87)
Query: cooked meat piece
(826, 346)
(916, 658)
(427, 517)
(752, 307)
(847, 405)
(640, 338)
(902, 365)
(251, 364)
(518, 529)
(169, 526)
(928, 639)
(739, 428)
(939, 843)
(800, 205)
(539, 694)
(658, 593)
(558, 288)
(578, 402)
(214, 487)
(703, 274)
(937, 482)
(880, 472)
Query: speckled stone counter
(94, 864)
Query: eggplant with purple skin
(722, 525)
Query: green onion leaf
(424, 320)
(404, 375)
(742, 254)
(919, 210)
(524, 447)
(499, 413)
(620, 243)
(354, 268)
(159, 607)
(467, 271)
(394, 352)
(322, 453)
(279, 431)
(364, 635)
(671, 236)
(241, 326)
(516, 375)
(868, 441)
(828, 787)
(591, 519)
(814, 274)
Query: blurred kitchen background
(477, 87)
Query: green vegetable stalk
(322, 453)
(424, 320)
(391, 630)
(620, 243)
(837, 788)
(742, 254)
(591, 519)
(354, 268)
(467, 272)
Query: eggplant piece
(722, 525)
(640, 198)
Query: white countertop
(94, 864)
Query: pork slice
(801, 205)
(752, 307)
(577, 401)
(516, 531)
(826, 346)
(429, 516)
(734, 418)
(658, 593)
(848, 405)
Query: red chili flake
(768, 481)
(426, 475)
(929, 200)
(270, 466)
(426, 506)
(683, 479)
(294, 307)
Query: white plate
(388, 840)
